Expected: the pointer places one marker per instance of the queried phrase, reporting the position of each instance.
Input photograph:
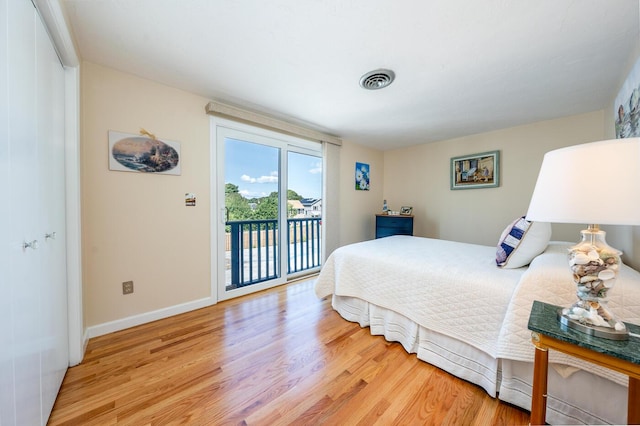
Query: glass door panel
(268, 208)
(304, 211)
(252, 214)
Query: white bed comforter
(456, 289)
(428, 281)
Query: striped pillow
(521, 241)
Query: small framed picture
(476, 171)
(406, 210)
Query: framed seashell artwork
(143, 153)
(476, 171)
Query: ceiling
(462, 67)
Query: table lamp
(596, 184)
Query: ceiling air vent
(377, 79)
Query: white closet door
(25, 288)
(34, 353)
(7, 399)
(50, 128)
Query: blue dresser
(387, 225)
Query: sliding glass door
(265, 229)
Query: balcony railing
(252, 247)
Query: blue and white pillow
(521, 241)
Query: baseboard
(132, 321)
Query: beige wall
(136, 226)
(419, 176)
(358, 208)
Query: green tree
(293, 195)
(267, 207)
(237, 206)
(230, 188)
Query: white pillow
(521, 241)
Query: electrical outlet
(127, 287)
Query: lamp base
(593, 330)
(595, 266)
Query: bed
(450, 304)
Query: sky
(254, 168)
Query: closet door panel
(50, 127)
(7, 400)
(23, 192)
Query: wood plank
(277, 357)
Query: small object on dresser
(406, 210)
(384, 206)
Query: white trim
(135, 320)
(77, 344)
(287, 143)
(53, 16)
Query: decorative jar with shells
(595, 267)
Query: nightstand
(387, 225)
(547, 333)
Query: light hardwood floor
(277, 357)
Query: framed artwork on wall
(627, 114)
(476, 171)
(362, 177)
(143, 153)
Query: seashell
(588, 278)
(619, 326)
(611, 260)
(607, 274)
(592, 269)
(580, 259)
(579, 312)
(593, 255)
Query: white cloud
(316, 168)
(252, 194)
(272, 178)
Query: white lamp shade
(592, 183)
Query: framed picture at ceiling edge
(475, 171)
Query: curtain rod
(236, 113)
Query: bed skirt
(451, 355)
(510, 381)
